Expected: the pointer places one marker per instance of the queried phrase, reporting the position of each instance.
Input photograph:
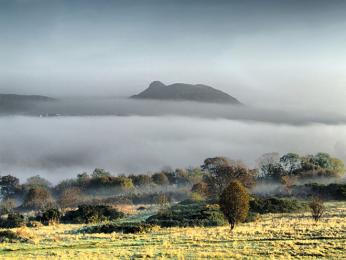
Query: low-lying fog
(61, 147)
(284, 114)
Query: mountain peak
(182, 91)
(156, 84)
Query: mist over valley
(64, 146)
(166, 127)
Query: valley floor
(273, 236)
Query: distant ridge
(181, 91)
(23, 98)
(14, 102)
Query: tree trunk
(232, 223)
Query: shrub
(24, 233)
(160, 179)
(50, 216)
(234, 203)
(275, 205)
(92, 214)
(34, 224)
(154, 198)
(140, 198)
(334, 191)
(10, 236)
(317, 208)
(140, 180)
(252, 217)
(189, 214)
(196, 196)
(126, 228)
(201, 188)
(13, 220)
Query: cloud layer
(58, 148)
(130, 107)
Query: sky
(283, 53)
(285, 60)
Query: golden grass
(127, 208)
(274, 236)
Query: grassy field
(273, 236)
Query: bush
(91, 214)
(317, 208)
(34, 224)
(140, 180)
(106, 185)
(153, 198)
(50, 216)
(160, 179)
(332, 191)
(10, 236)
(13, 220)
(201, 188)
(189, 214)
(196, 196)
(252, 217)
(275, 205)
(140, 198)
(126, 228)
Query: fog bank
(132, 107)
(61, 147)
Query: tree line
(207, 181)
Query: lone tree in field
(317, 208)
(234, 203)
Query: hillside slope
(182, 91)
